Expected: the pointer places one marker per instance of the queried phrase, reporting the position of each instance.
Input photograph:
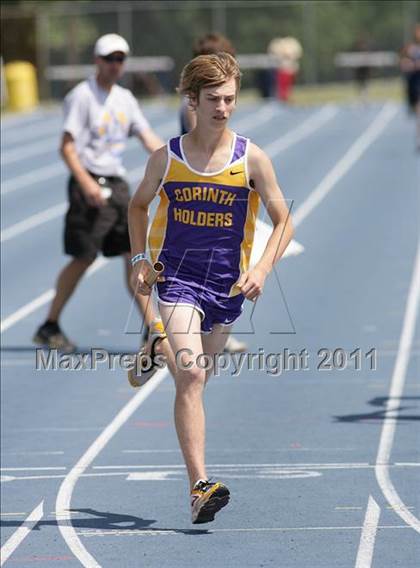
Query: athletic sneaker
(235, 346)
(50, 335)
(146, 356)
(206, 499)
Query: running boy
(210, 182)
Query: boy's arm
(263, 179)
(138, 213)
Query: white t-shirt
(100, 123)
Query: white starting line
(177, 532)
(177, 472)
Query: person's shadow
(104, 520)
(382, 413)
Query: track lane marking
(43, 299)
(352, 155)
(63, 502)
(21, 533)
(395, 392)
(33, 221)
(367, 538)
(176, 532)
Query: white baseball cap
(109, 43)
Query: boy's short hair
(208, 71)
(213, 43)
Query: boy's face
(216, 104)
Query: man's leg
(67, 281)
(182, 325)
(49, 333)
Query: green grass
(378, 90)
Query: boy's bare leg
(215, 342)
(182, 325)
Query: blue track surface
(323, 465)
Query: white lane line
(252, 465)
(309, 126)
(32, 468)
(174, 469)
(347, 161)
(32, 125)
(31, 132)
(256, 119)
(16, 363)
(27, 309)
(37, 148)
(22, 532)
(33, 453)
(63, 502)
(30, 178)
(244, 450)
(53, 212)
(367, 538)
(396, 391)
(33, 221)
(8, 478)
(174, 532)
(43, 299)
(244, 465)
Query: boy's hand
(140, 270)
(251, 283)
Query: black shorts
(413, 89)
(89, 230)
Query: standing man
(410, 66)
(99, 116)
(210, 183)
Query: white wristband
(137, 258)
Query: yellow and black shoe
(147, 364)
(206, 499)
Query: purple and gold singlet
(204, 226)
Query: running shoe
(235, 346)
(206, 499)
(146, 364)
(50, 335)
